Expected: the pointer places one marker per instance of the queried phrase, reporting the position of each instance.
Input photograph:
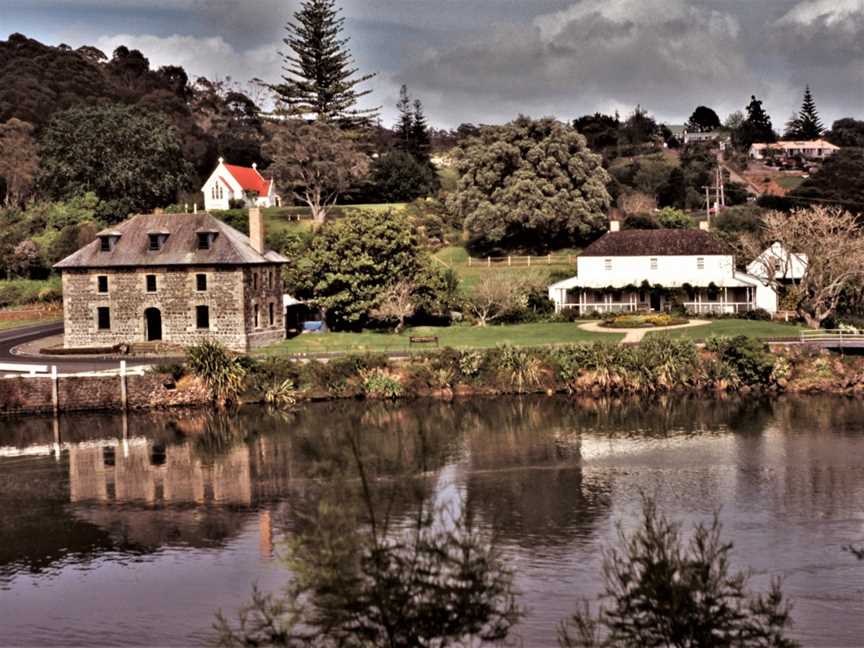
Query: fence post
(469, 261)
(549, 260)
(509, 261)
(529, 261)
(55, 391)
(123, 394)
(488, 262)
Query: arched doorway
(152, 324)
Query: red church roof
(250, 179)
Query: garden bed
(647, 321)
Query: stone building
(177, 279)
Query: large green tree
(756, 126)
(320, 78)
(400, 177)
(840, 181)
(703, 120)
(130, 158)
(529, 185)
(352, 261)
(847, 132)
(806, 125)
(317, 162)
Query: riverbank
(657, 365)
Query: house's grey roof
(229, 247)
(658, 242)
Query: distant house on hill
(245, 185)
(810, 150)
(720, 138)
(174, 278)
(639, 270)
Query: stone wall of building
(176, 297)
(263, 289)
(79, 393)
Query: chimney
(256, 229)
(614, 226)
(705, 225)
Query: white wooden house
(639, 270)
(231, 182)
(810, 149)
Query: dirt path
(635, 335)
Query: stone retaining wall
(34, 394)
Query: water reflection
(548, 476)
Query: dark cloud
(488, 60)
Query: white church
(230, 182)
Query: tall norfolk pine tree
(321, 79)
(806, 125)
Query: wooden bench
(423, 339)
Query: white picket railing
(523, 261)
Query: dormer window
(205, 240)
(108, 241)
(156, 240)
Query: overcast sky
(486, 61)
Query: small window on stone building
(103, 318)
(271, 313)
(204, 240)
(105, 243)
(254, 280)
(202, 317)
(156, 241)
(151, 283)
(257, 317)
(102, 284)
(200, 282)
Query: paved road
(15, 337)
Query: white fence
(718, 308)
(523, 261)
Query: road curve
(15, 337)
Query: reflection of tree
(364, 576)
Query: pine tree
(756, 127)
(807, 125)
(421, 143)
(405, 126)
(320, 77)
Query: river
(135, 530)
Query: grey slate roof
(229, 247)
(659, 242)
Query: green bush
(380, 383)
(223, 373)
(749, 360)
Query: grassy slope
(736, 327)
(457, 258)
(457, 337)
(9, 325)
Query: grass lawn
(456, 257)
(732, 327)
(457, 337)
(789, 182)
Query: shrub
(748, 359)
(520, 367)
(173, 369)
(282, 394)
(759, 314)
(380, 383)
(644, 321)
(222, 372)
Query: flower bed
(644, 321)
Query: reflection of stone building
(142, 472)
